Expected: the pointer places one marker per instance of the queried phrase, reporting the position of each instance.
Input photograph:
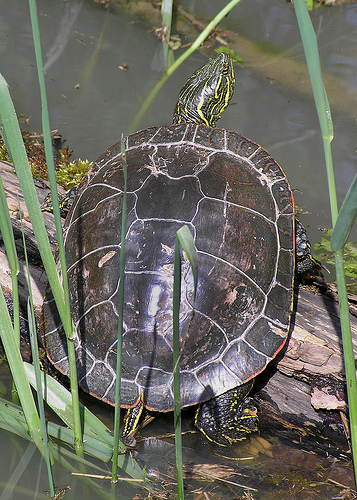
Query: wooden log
(14, 200)
(303, 392)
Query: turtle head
(207, 93)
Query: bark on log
(14, 199)
(303, 392)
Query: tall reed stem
(66, 318)
(323, 110)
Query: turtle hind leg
(65, 202)
(131, 420)
(307, 268)
(229, 417)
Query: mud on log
(303, 392)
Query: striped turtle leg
(229, 417)
(306, 266)
(131, 421)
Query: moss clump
(68, 173)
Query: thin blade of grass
(9, 243)
(176, 368)
(7, 233)
(312, 58)
(49, 153)
(120, 318)
(36, 361)
(185, 240)
(10, 131)
(36, 364)
(188, 245)
(345, 219)
(12, 352)
(166, 26)
(9, 337)
(66, 319)
(309, 42)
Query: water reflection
(65, 29)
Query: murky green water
(92, 101)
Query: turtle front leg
(131, 420)
(306, 266)
(229, 417)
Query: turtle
(239, 207)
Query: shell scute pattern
(285, 268)
(240, 358)
(264, 335)
(211, 138)
(238, 205)
(152, 200)
(282, 198)
(221, 181)
(242, 146)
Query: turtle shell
(237, 203)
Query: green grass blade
(9, 243)
(349, 361)
(188, 245)
(7, 233)
(176, 368)
(66, 318)
(312, 58)
(185, 240)
(345, 219)
(12, 352)
(10, 131)
(120, 318)
(36, 364)
(309, 41)
(47, 133)
(41, 410)
(166, 26)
